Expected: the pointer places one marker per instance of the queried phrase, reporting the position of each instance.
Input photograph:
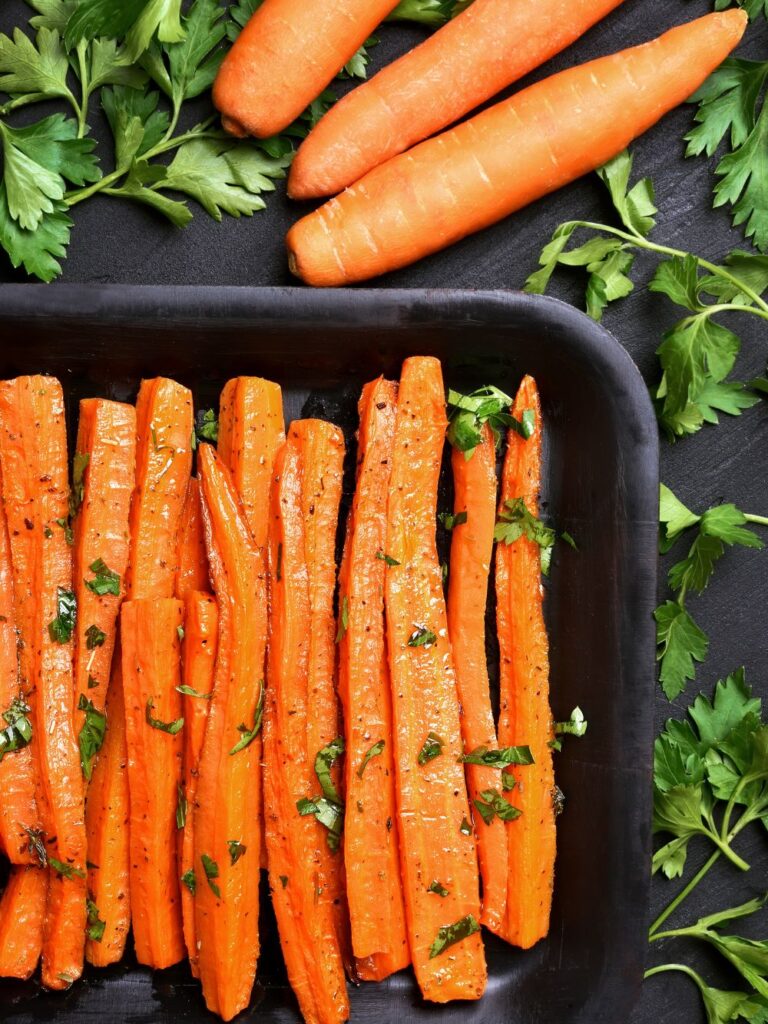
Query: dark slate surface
(116, 242)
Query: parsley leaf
(94, 637)
(211, 869)
(450, 520)
(343, 610)
(486, 405)
(170, 727)
(422, 637)
(66, 870)
(498, 758)
(92, 732)
(106, 581)
(248, 735)
(491, 804)
(516, 521)
(324, 762)
(188, 879)
(375, 751)
(37, 69)
(431, 748)
(390, 562)
(575, 726)
(328, 813)
(62, 627)
(437, 889)
(207, 426)
(190, 691)
(635, 206)
(680, 643)
(236, 850)
(450, 934)
(96, 926)
(432, 13)
(38, 251)
(138, 20)
(18, 730)
(77, 492)
(182, 806)
(195, 60)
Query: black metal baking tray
(601, 484)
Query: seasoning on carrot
(227, 811)
(474, 480)
(151, 664)
(437, 847)
(371, 848)
(284, 58)
(506, 157)
(473, 57)
(298, 845)
(198, 660)
(525, 716)
(192, 573)
(22, 912)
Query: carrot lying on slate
(473, 57)
(506, 157)
(284, 58)
(22, 912)
(371, 848)
(437, 845)
(524, 684)
(192, 573)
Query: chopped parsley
(375, 751)
(437, 888)
(170, 727)
(105, 581)
(236, 850)
(18, 730)
(95, 929)
(432, 748)
(211, 869)
(516, 521)
(91, 737)
(181, 806)
(422, 637)
(76, 494)
(188, 879)
(66, 870)
(62, 627)
(94, 637)
(343, 619)
(387, 559)
(498, 758)
(451, 519)
(491, 804)
(249, 735)
(450, 934)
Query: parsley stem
(200, 131)
(664, 968)
(82, 108)
(683, 894)
(73, 198)
(760, 520)
(22, 101)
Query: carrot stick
(474, 481)
(297, 843)
(198, 659)
(22, 912)
(438, 855)
(151, 673)
(371, 851)
(284, 58)
(107, 819)
(193, 561)
(524, 683)
(489, 46)
(506, 157)
(227, 811)
(164, 425)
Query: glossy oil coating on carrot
(107, 823)
(151, 660)
(437, 844)
(507, 156)
(227, 811)
(474, 481)
(297, 845)
(192, 573)
(201, 619)
(371, 848)
(525, 716)
(22, 912)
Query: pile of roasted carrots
(407, 186)
(188, 696)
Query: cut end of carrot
(232, 126)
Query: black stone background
(116, 242)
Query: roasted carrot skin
(429, 774)
(525, 716)
(192, 573)
(22, 912)
(506, 157)
(473, 57)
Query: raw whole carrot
(33, 457)
(525, 716)
(284, 58)
(105, 466)
(297, 844)
(151, 662)
(107, 822)
(473, 57)
(371, 848)
(227, 811)
(506, 157)
(199, 646)
(22, 912)
(164, 425)
(436, 842)
(474, 481)
(192, 573)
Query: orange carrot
(198, 659)
(192, 573)
(371, 850)
(525, 714)
(506, 157)
(151, 664)
(107, 820)
(284, 58)
(227, 811)
(22, 912)
(474, 481)
(487, 47)
(164, 425)
(438, 855)
(297, 844)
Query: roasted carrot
(506, 157)
(107, 821)
(198, 660)
(297, 844)
(438, 855)
(524, 683)
(33, 455)
(151, 664)
(487, 47)
(192, 573)
(22, 912)
(227, 811)
(371, 849)
(284, 58)
(164, 425)
(474, 480)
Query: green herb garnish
(375, 751)
(437, 888)
(62, 627)
(486, 405)
(236, 850)
(432, 748)
(81, 459)
(91, 737)
(211, 869)
(491, 804)
(18, 729)
(575, 726)
(450, 934)
(249, 734)
(207, 426)
(95, 929)
(188, 879)
(181, 806)
(422, 637)
(498, 758)
(451, 519)
(66, 870)
(343, 619)
(516, 521)
(105, 580)
(170, 727)
(386, 558)
(94, 637)
(190, 691)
